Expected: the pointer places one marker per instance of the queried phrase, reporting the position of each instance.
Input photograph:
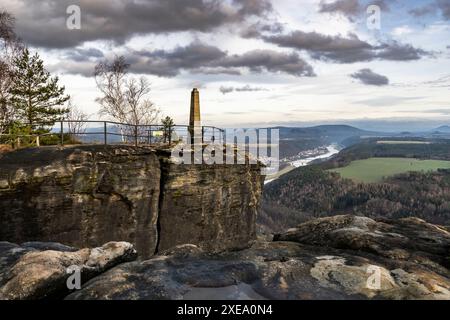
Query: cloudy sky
(258, 62)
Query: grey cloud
(257, 29)
(43, 23)
(444, 6)
(260, 60)
(345, 50)
(254, 7)
(400, 52)
(201, 58)
(246, 88)
(423, 11)
(79, 54)
(368, 77)
(226, 90)
(217, 71)
(170, 63)
(322, 46)
(350, 8)
(346, 7)
(252, 31)
(192, 55)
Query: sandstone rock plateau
(330, 258)
(85, 196)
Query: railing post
(62, 133)
(136, 135)
(105, 134)
(38, 143)
(150, 135)
(203, 134)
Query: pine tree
(168, 125)
(36, 95)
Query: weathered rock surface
(342, 257)
(84, 196)
(212, 206)
(410, 256)
(321, 269)
(29, 273)
(408, 239)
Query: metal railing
(110, 132)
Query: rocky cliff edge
(85, 196)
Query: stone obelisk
(194, 118)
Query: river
(332, 149)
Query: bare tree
(124, 98)
(110, 79)
(6, 110)
(7, 34)
(140, 110)
(10, 45)
(77, 118)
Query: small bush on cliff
(168, 125)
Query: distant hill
(444, 129)
(296, 139)
(327, 133)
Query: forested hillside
(310, 192)
(294, 140)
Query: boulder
(31, 273)
(408, 239)
(173, 275)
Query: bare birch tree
(125, 98)
(77, 118)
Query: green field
(375, 169)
